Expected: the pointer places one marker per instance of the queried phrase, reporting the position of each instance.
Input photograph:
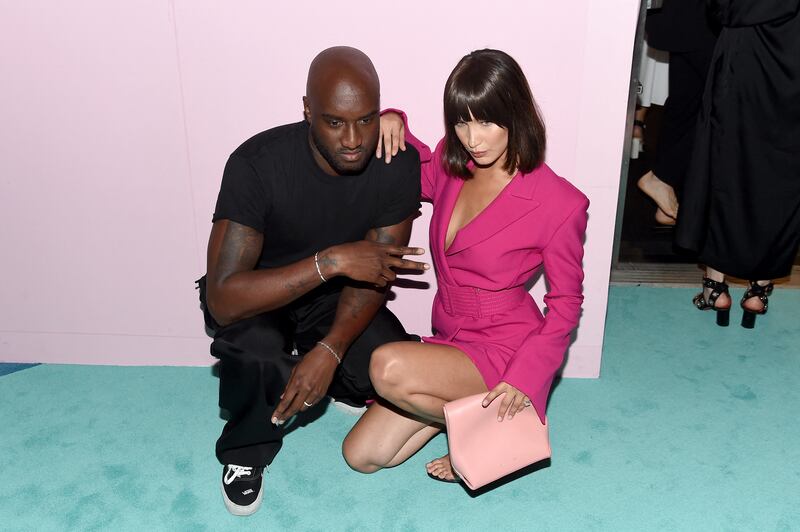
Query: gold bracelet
(331, 351)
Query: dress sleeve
(752, 12)
(534, 365)
(427, 167)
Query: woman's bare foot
(663, 219)
(660, 192)
(441, 469)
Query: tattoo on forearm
(295, 288)
(382, 235)
(363, 300)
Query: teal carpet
(691, 427)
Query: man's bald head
(341, 106)
(341, 64)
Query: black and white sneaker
(242, 488)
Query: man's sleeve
(242, 198)
(400, 189)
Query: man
(308, 228)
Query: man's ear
(306, 109)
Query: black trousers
(256, 359)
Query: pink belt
(477, 303)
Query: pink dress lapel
(513, 202)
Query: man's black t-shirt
(272, 184)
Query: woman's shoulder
(550, 185)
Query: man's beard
(340, 167)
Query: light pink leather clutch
(483, 449)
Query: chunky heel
(749, 319)
(717, 289)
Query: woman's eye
(485, 123)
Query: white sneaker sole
(348, 409)
(239, 510)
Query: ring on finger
(308, 405)
(526, 402)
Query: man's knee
(357, 455)
(250, 342)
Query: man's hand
(369, 261)
(392, 136)
(307, 384)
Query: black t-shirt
(273, 184)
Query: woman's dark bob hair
(491, 85)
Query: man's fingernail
(426, 267)
(274, 421)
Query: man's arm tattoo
(240, 249)
(382, 235)
(360, 299)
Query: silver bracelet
(324, 280)
(331, 351)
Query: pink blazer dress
(481, 306)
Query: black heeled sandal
(762, 293)
(717, 289)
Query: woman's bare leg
(385, 437)
(420, 378)
(417, 379)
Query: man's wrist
(337, 345)
(327, 263)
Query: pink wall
(117, 121)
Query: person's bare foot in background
(664, 196)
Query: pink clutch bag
(482, 449)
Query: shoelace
(236, 471)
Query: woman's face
(486, 142)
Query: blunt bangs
(472, 90)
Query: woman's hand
(392, 136)
(513, 401)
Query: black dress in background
(741, 204)
(682, 28)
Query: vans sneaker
(242, 488)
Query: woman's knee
(385, 370)
(357, 455)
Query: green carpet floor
(691, 427)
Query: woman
(499, 213)
(741, 209)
